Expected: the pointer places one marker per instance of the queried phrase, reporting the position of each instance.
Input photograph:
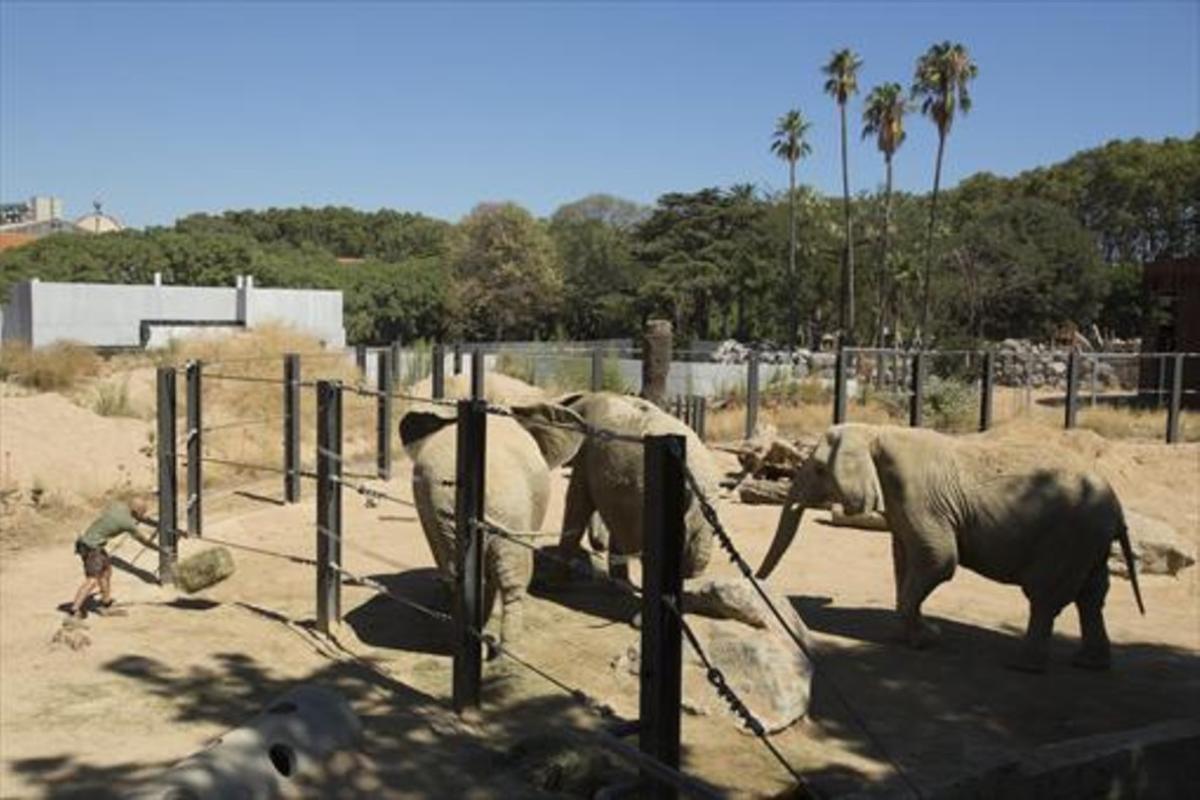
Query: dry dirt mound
(48, 441)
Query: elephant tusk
(789, 523)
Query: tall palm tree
(789, 143)
(883, 118)
(842, 82)
(941, 84)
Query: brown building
(1174, 284)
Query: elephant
(607, 479)
(1012, 514)
(520, 453)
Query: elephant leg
(925, 568)
(578, 513)
(510, 567)
(898, 566)
(1094, 651)
(1035, 650)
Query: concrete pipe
(291, 740)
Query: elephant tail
(1127, 552)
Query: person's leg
(81, 596)
(106, 584)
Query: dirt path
(155, 685)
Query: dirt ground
(157, 684)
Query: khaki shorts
(95, 560)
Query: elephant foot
(1095, 660)
(923, 634)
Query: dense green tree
(941, 84)
(789, 142)
(508, 280)
(842, 82)
(594, 242)
(883, 118)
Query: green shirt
(115, 520)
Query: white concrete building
(122, 315)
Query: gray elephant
(608, 479)
(1012, 514)
(519, 456)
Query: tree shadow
(537, 745)
(954, 709)
(381, 622)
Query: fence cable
(726, 543)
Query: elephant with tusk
(520, 452)
(1008, 513)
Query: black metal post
(468, 595)
(457, 361)
(751, 395)
(291, 428)
(168, 477)
(916, 403)
(701, 427)
(360, 359)
(438, 376)
(477, 374)
(1176, 400)
(987, 379)
(662, 585)
(329, 503)
(383, 415)
(195, 449)
(1072, 399)
(839, 387)
(597, 370)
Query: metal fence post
(916, 403)
(469, 538)
(168, 477)
(360, 359)
(752, 394)
(477, 374)
(1072, 399)
(702, 425)
(987, 379)
(438, 375)
(457, 360)
(597, 370)
(195, 449)
(383, 416)
(329, 503)
(662, 584)
(839, 386)
(291, 428)
(1176, 400)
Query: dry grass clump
(54, 368)
(1130, 423)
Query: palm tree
(789, 143)
(842, 70)
(883, 118)
(940, 83)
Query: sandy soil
(155, 685)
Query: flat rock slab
(758, 492)
(1157, 547)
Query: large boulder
(1157, 547)
(736, 599)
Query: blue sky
(165, 108)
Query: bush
(53, 368)
(112, 400)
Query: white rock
(1157, 547)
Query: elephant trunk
(800, 496)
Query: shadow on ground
(953, 709)
(381, 622)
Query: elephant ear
(853, 468)
(557, 430)
(426, 421)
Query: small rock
(1157, 547)
(71, 635)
